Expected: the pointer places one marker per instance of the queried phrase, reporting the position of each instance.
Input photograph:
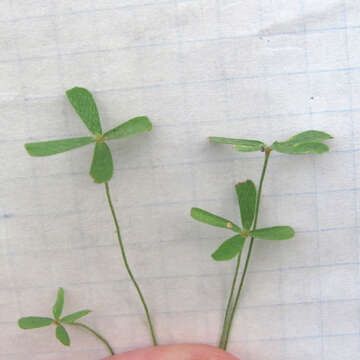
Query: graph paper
(257, 69)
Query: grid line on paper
(317, 230)
(220, 309)
(229, 120)
(164, 44)
(353, 138)
(207, 81)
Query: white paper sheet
(252, 69)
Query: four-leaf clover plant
(101, 169)
(35, 322)
(249, 202)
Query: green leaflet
(274, 233)
(34, 322)
(45, 148)
(85, 106)
(214, 220)
(239, 144)
(62, 335)
(74, 316)
(247, 148)
(229, 248)
(302, 148)
(130, 127)
(102, 165)
(59, 305)
(246, 193)
(309, 136)
(304, 143)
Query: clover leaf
(34, 322)
(102, 164)
(246, 193)
(306, 142)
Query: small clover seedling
(101, 168)
(249, 203)
(35, 322)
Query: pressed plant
(35, 322)
(249, 202)
(101, 169)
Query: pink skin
(176, 352)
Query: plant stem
(96, 334)
(226, 337)
(137, 287)
(230, 300)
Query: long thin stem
(96, 334)
(226, 338)
(230, 301)
(137, 287)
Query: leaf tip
(75, 88)
(20, 323)
(149, 124)
(215, 256)
(242, 182)
(27, 148)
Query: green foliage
(304, 143)
(68, 319)
(59, 305)
(130, 127)
(249, 202)
(62, 335)
(33, 322)
(274, 233)
(46, 148)
(229, 248)
(309, 136)
(239, 144)
(214, 220)
(102, 164)
(300, 149)
(84, 104)
(246, 193)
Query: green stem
(96, 334)
(137, 287)
(226, 338)
(229, 303)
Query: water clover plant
(101, 168)
(249, 202)
(35, 322)
(102, 164)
